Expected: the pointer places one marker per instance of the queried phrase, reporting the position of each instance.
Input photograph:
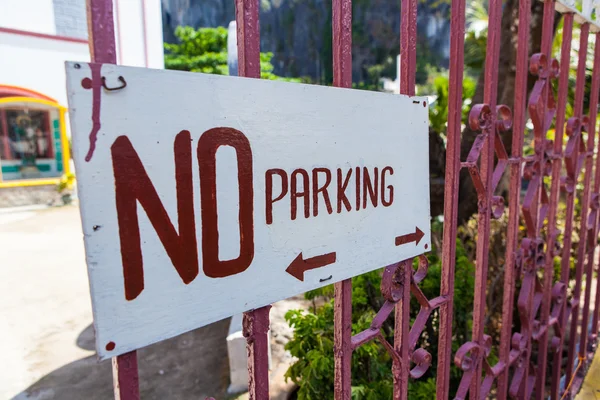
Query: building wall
(70, 18)
(37, 63)
(28, 15)
(138, 26)
(154, 34)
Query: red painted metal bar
(544, 159)
(491, 120)
(485, 196)
(593, 204)
(408, 50)
(101, 34)
(457, 48)
(520, 116)
(570, 188)
(531, 256)
(401, 365)
(408, 56)
(255, 326)
(343, 340)
(125, 377)
(248, 38)
(342, 43)
(578, 113)
(255, 322)
(101, 31)
(593, 239)
(594, 234)
(342, 77)
(563, 84)
(548, 28)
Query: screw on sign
(213, 205)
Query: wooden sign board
(204, 196)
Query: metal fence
(554, 318)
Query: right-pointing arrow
(410, 237)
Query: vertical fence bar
(101, 32)
(594, 238)
(594, 234)
(125, 377)
(548, 266)
(578, 113)
(255, 326)
(408, 65)
(248, 38)
(563, 87)
(401, 369)
(408, 49)
(342, 77)
(570, 199)
(342, 43)
(255, 322)
(510, 273)
(455, 90)
(589, 225)
(342, 323)
(484, 197)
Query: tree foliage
(437, 84)
(205, 50)
(199, 50)
(476, 36)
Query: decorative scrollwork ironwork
(472, 356)
(392, 290)
(489, 122)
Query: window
(27, 134)
(30, 141)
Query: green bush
(312, 343)
(205, 50)
(437, 85)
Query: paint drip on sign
(96, 85)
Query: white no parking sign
(204, 196)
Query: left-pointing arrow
(299, 266)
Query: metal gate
(549, 311)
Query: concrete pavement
(590, 389)
(45, 319)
